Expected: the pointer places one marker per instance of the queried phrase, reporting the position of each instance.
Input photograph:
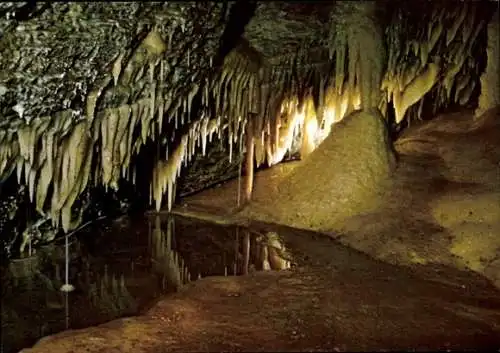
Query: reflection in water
(109, 295)
(179, 242)
(165, 260)
(119, 271)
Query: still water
(119, 269)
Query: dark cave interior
(334, 117)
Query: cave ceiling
(54, 55)
(278, 30)
(85, 87)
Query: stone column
(490, 80)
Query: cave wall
(209, 169)
(490, 79)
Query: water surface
(118, 270)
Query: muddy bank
(334, 298)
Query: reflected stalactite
(271, 253)
(246, 251)
(276, 252)
(264, 256)
(236, 252)
(167, 262)
(110, 296)
(24, 268)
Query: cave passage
(250, 175)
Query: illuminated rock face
(340, 178)
(490, 80)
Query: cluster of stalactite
(431, 53)
(262, 108)
(54, 155)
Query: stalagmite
(249, 159)
(490, 81)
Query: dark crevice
(28, 11)
(239, 16)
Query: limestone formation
(90, 93)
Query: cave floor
(333, 298)
(340, 297)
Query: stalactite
(237, 91)
(259, 149)
(450, 37)
(466, 93)
(108, 132)
(415, 90)
(452, 31)
(166, 172)
(91, 100)
(67, 143)
(309, 130)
